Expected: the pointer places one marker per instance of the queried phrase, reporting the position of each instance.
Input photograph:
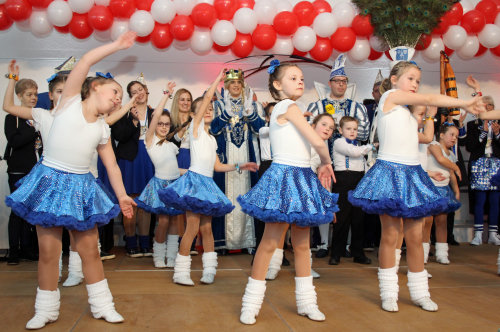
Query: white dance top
(203, 151)
(434, 165)
(42, 121)
(422, 155)
(349, 157)
(397, 133)
(288, 145)
(265, 144)
(72, 140)
(164, 159)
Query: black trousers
(259, 224)
(349, 216)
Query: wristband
(477, 94)
(429, 118)
(237, 168)
(12, 76)
(167, 92)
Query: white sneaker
(315, 274)
(478, 238)
(494, 238)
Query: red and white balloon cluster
(244, 26)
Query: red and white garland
(245, 26)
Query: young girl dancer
(442, 160)
(289, 193)
(163, 154)
(197, 194)
(397, 187)
(72, 198)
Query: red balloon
(64, 29)
(454, 15)
(473, 21)
(143, 5)
(246, 4)
(182, 27)
(442, 27)
(495, 50)
(374, 55)
(79, 26)
(388, 55)
(242, 45)
(18, 10)
(448, 51)
(321, 6)
(122, 8)
(305, 13)
(362, 26)
(497, 2)
(264, 36)
(5, 20)
(423, 42)
(143, 40)
(286, 23)
(161, 37)
(343, 39)
(489, 9)
(204, 15)
(299, 53)
(100, 18)
(220, 49)
(40, 3)
(322, 50)
(481, 50)
(225, 9)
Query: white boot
(314, 274)
(418, 284)
(60, 268)
(159, 250)
(306, 299)
(252, 300)
(389, 288)
(275, 264)
(75, 274)
(442, 253)
(494, 238)
(209, 260)
(101, 302)
(398, 259)
(182, 270)
(172, 249)
(46, 308)
(478, 238)
(427, 247)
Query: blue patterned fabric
(51, 198)
(108, 192)
(398, 190)
(196, 193)
(150, 201)
(495, 179)
(290, 194)
(482, 172)
(184, 158)
(136, 173)
(453, 204)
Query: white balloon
(455, 37)
(497, 20)
(489, 37)
(184, 7)
(59, 13)
(467, 5)
(265, 12)
(39, 23)
(102, 35)
(210, 2)
(24, 25)
(360, 51)
(282, 6)
(163, 11)
(433, 52)
(223, 33)
(2, 2)
(118, 28)
(304, 39)
(142, 23)
(283, 45)
(201, 41)
(378, 44)
(344, 13)
(102, 2)
(81, 6)
(470, 48)
(181, 45)
(325, 24)
(245, 20)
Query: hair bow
(51, 78)
(274, 64)
(107, 75)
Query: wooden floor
(467, 292)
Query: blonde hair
(399, 69)
(174, 112)
(25, 84)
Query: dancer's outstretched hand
(126, 40)
(127, 206)
(326, 175)
(13, 68)
(476, 105)
(252, 167)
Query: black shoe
(29, 256)
(222, 252)
(369, 246)
(347, 254)
(13, 260)
(146, 252)
(133, 252)
(321, 253)
(453, 242)
(334, 261)
(106, 255)
(285, 261)
(362, 260)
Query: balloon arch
(244, 26)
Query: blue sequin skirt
(136, 173)
(184, 158)
(453, 204)
(53, 198)
(290, 194)
(196, 193)
(150, 201)
(398, 190)
(481, 173)
(495, 179)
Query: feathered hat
(338, 67)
